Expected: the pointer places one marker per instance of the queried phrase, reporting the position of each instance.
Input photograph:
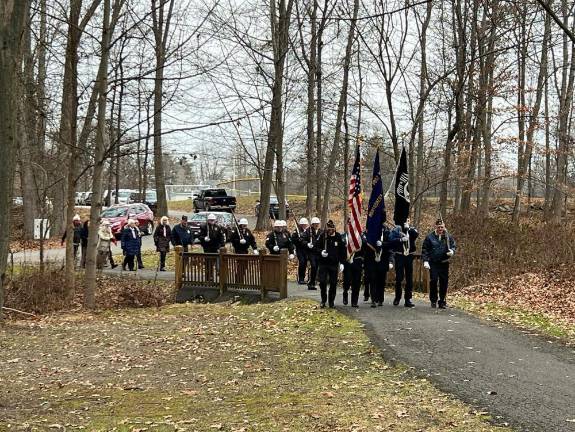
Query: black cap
(439, 222)
(330, 224)
(184, 218)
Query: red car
(118, 216)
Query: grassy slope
(274, 367)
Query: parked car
(151, 199)
(123, 196)
(223, 219)
(88, 199)
(274, 209)
(211, 199)
(118, 216)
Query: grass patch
(181, 205)
(539, 322)
(287, 366)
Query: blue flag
(376, 211)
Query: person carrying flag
(310, 238)
(403, 236)
(438, 248)
(298, 239)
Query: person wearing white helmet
(301, 249)
(162, 239)
(212, 235)
(310, 239)
(212, 238)
(332, 257)
(242, 238)
(279, 239)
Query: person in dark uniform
(242, 239)
(438, 248)
(403, 239)
(77, 229)
(311, 236)
(182, 235)
(212, 238)
(332, 254)
(298, 239)
(279, 239)
(378, 261)
(352, 275)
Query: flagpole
(395, 173)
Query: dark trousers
(328, 274)
(163, 259)
(302, 265)
(111, 257)
(404, 269)
(313, 261)
(129, 261)
(140, 263)
(438, 272)
(366, 284)
(377, 279)
(352, 281)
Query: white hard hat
(303, 221)
(315, 220)
(278, 223)
(211, 216)
(76, 217)
(283, 223)
(243, 221)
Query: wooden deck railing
(263, 273)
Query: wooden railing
(263, 273)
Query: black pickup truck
(214, 199)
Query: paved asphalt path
(522, 379)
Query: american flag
(354, 229)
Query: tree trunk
(12, 22)
(310, 144)
(340, 111)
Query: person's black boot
(311, 288)
(409, 304)
(345, 298)
(433, 305)
(442, 305)
(373, 305)
(322, 305)
(396, 302)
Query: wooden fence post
(223, 270)
(179, 270)
(283, 271)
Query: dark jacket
(357, 260)
(182, 236)
(311, 235)
(84, 233)
(395, 239)
(131, 241)
(384, 252)
(435, 248)
(335, 247)
(299, 241)
(216, 236)
(281, 239)
(250, 240)
(77, 234)
(162, 241)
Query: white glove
(450, 252)
(206, 238)
(324, 253)
(291, 256)
(426, 265)
(256, 252)
(405, 239)
(406, 225)
(276, 248)
(391, 266)
(310, 245)
(340, 268)
(378, 243)
(242, 241)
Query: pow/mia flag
(401, 211)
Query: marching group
(321, 253)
